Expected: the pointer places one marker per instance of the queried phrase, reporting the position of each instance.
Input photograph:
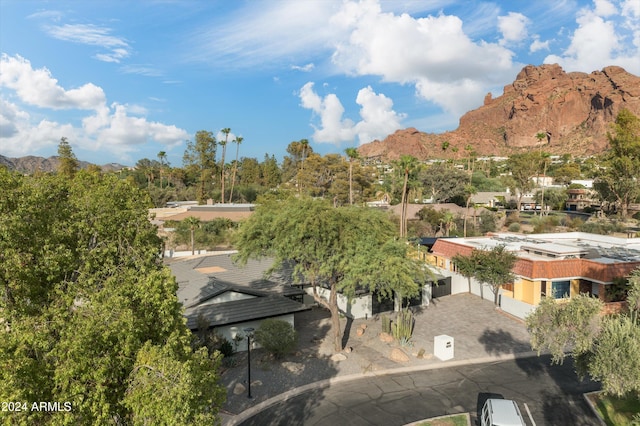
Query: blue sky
(123, 80)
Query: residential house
(558, 265)
(225, 297)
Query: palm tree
(469, 190)
(193, 223)
(352, 153)
(223, 143)
(162, 156)
(238, 140)
(408, 164)
(448, 219)
(304, 143)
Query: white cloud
(117, 128)
(276, 32)
(537, 45)
(604, 8)
(378, 119)
(513, 27)
(93, 35)
(37, 86)
(432, 53)
(304, 68)
(599, 42)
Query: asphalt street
(553, 395)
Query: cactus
(403, 326)
(386, 324)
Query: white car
(501, 412)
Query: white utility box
(443, 347)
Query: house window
(560, 289)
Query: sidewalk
(479, 331)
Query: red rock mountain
(574, 110)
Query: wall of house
(228, 296)
(514, 307)
(230, 332)
(360, 307)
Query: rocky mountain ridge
(30, 164)
(573, 110)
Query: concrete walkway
(480, 333)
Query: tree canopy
(90, 315)
(340, 249)
(618, 181)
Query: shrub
(277, 337)
(514, 227)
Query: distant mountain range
(31, 164)
(574, 111)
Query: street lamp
(249, 332)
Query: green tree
(466, 266)
(522, 168)
(614, 358)
(494, 268)
(270, 172)
(338, 249)
(560, 327)
(200, 156)
(68, 163)
(91, 300)
(443, 184)
(620, 176)
(607, 348)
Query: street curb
(593, 407)
(285, 396)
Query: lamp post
(249, 332)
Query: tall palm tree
(162, 156)
(407, 164)
(193, 223)
(304, 143)
(223, 143)
(469, 191)
(352, 153)
(238, 140)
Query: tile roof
(238, 311)
(195, 287)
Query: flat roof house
(558, 265)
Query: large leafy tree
(341, 249)
(85, 304)
(522, 168)
(619, 180)
(607, 348)
(490, 267)
(443, 183)
(200, 158)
